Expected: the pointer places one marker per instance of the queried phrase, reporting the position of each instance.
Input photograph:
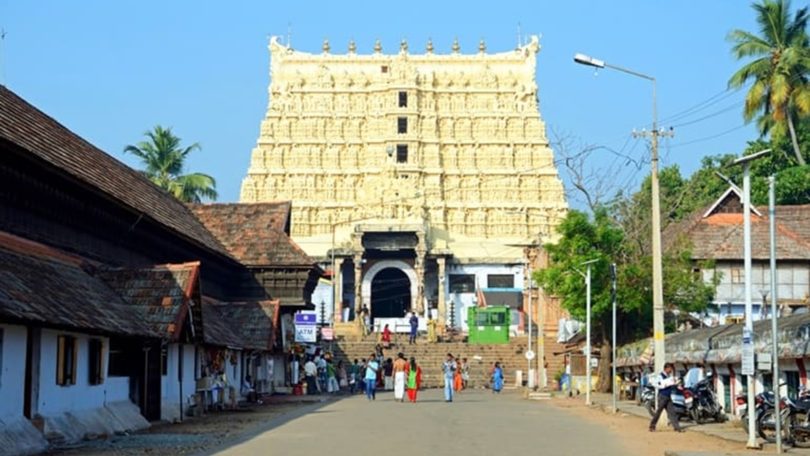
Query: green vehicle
(488, 325)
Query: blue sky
(111, 70)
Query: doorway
(390, 294)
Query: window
(384, 69)
(403, 99)
(119, 365)
(497, 319)
(737, 275)
(65, 360)
(793, 381)
(500, 281)
(402, 125)
(462, 283)
(95, 362)
(402, 153)
(164, 359)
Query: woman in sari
(414, 379)
(458, 380)
(497, 378)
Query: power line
(707, 138)
(709, 116)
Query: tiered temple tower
(418, 162)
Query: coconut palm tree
(779, 71)
(163, 158)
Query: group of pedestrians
(322, 375)
(406, 376)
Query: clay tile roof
(46, 286)
(218, 330)
(717, 234)
(256, 234)
(43, 137)
(159, 294)
(257, 321)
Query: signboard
(306, 333)
(747, 353)
(764, 362)
(327, 333)
(306, 329)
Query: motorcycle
(648, 399)
(705, 405)
(762, 403)
(795, 418)
(683, 402)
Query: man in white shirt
(310, 371)
(665, 384)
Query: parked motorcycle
(648, 399)
(763, 402)
(795, 417)
(705, 405)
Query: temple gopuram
(422, 181)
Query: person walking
(457, 382)
(665, 383)
(497, 378)
(332, 385)
(465, 373)
(388, 374)
(414, 321)
(372, 368)
(449, 369)
(414, 374)
(354, 375)
(400, 366)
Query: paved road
(477, 423)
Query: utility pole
(529, 371)
(588, 350)
(613, 348)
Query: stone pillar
(442, 294)
(337, 290)
(419, 268)
(358, 284)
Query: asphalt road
(476, 423)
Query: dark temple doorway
(390, 294)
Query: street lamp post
(748, 332)
(658, 290)
(588, 350)
(774, 316)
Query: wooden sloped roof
(44, 138)
(161, 295)
(257, 234)
(256, 322)
(43, 285)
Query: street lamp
(658, 293)
(748, 328)
(774, 324)
(587, 276)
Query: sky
(109, 71)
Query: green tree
(779, 71)
(164, 158)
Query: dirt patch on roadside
(189, 437)
(632, 432)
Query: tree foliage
(779, 94)
(164, 161)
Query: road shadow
(280, 420)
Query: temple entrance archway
(395, 290)
(390, 294)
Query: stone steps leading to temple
(480, 358)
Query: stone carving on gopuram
(454, 142)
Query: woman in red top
(386, 337)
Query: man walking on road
(666, 381)
(372, 368)
(400, 365)
(449, 369)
